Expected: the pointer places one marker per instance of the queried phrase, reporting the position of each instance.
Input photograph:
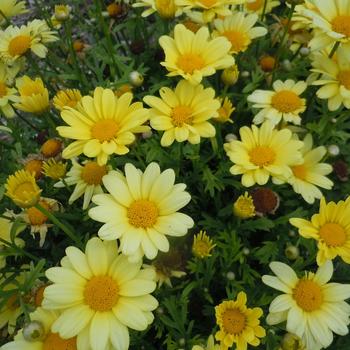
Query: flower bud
(230, 276)
(304, 51)
(230, 137)
(333, 150)
(292, 252)
(230, 75)
(62, 12)
(136, 79)
(33, 331)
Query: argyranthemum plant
(104, 125)
(313, 308)
(184, 113)
(34, 96)
(11, 8)
(101, 294)
(141, 209)
(239, 29)
(87, 178)
(263, 152)
(37, 334)
(194, 55)
(311, 174)
(283, 103)
(330, 227)
(331, 19)
(238, 324)
(333, 75)
(260, 6)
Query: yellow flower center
(286, 101)
(262, 156)
(181, 115)
(93, 173)
(3, 89)
(54, 342)
(208, 3)
(202, 248)
(300, 171)
(255, 5)
(24, 191)
(35, 216)
(105, 130)
(237, 39)
(308, 295)
(344, 78)
(101, 293)
(189, 62)
(333, 234)
(341, 24)
(233, 321)
(19, 45)
(143, 213)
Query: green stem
(68, 30)
(281, 47)
(58, 223)
(18, 249)
(26, 121)
(113, 67)
(264, 10)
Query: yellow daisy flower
(239, 29)
(263, 152)
(183, 113)
(55, 170)
(7, 94)
(257, 6)
(312, 307)
(204, 11)
(330, 227)
(34, 97)
(225, 111)
(202, 245)
(104, 125)
(166, 8)
(309, 175)
(238, 324)
(331, 21)
(141, 209)
(100, 293)
(210, 345)
(6, 226)
(17, 41)
(87, 178)
(194, 55)
(67, 98)
(11, 8)
(39, 29)
(244, 206)
(335, 78)
(40, 327)
(37, 220)
(282, 103)
(22, 189)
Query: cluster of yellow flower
(97, 294)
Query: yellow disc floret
(142, 213)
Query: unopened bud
(333, 150)
(33, 331)
(136, 79)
